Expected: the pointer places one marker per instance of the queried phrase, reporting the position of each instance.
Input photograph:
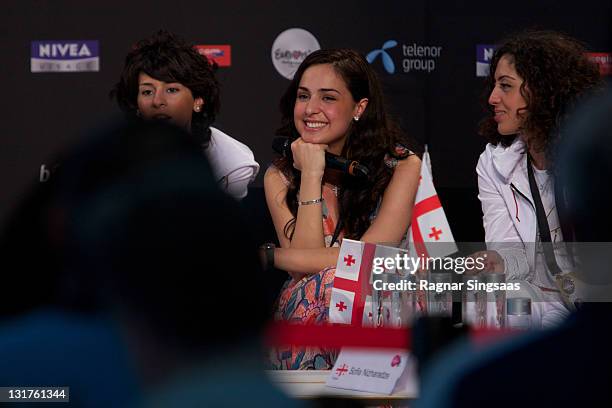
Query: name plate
(369, 370)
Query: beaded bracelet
(315, 201)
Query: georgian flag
(429, 234)
(350, 301)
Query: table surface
(311, 383)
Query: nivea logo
(64, 56)
(63, 50)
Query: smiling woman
(166, 79)
(506, 97)
(324, 108)
(334, 103)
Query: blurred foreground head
(146, 232)
(585, 171)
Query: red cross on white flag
(351, 295)
(429, 224)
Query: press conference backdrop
(427, 54)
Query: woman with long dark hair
(335, 104)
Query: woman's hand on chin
(309, 158)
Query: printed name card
(368, 370)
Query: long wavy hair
(556, 75)
(166, 57)
(367, 141)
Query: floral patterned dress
(306, 301)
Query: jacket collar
(511, 164)
(506, 159)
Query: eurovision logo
(413, 57)
(65, 56)
(221, 54)
(290, 48)
(484, 54)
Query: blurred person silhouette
(568, 365)
(536, 79)
(165, 79)
(145, 309)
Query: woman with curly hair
(166, 79)
(536, 78)
(335, 104)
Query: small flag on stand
(352, 296)
(352, 292)
(429, 226)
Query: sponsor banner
(603, 60)
(65, 56)
(405, 58)
(290, 48)
(484, 54)
(221, 54)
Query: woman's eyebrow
(506, 77)
(329, 90)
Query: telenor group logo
(290, 48)
(65, 56)
(414, 57)
(384, 56)
(484, 53)
(221, 54)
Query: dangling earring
(356, 118)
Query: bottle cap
(519, 306)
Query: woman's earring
(197, 108)
(356, 118)
(137, 113)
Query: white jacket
(510, 222)
(509, 216)
(232, 163)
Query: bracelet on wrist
(309, 202)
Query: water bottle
(496, 301)
(519, 313)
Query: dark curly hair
(166, 57)
(556, 75)
(368, 140)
